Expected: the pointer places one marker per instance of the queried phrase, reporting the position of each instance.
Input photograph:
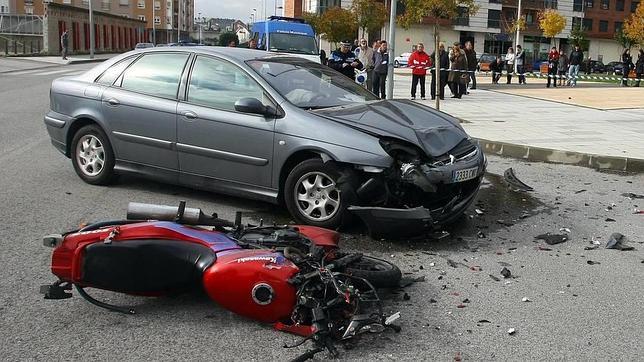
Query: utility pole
(179, 22)
(392, 44)
(91, 31)
(516, 40)
(154, 23)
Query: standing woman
(509, 63)
(458, 76)
(562, 70)
(553, 65)
(639, 67)
(627, 60)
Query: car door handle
(190, 114)
(113, 102)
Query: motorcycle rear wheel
(380, 273)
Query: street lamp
(154, 23)
(91, 31)
(179, 23)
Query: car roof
(240, 54)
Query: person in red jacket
(418, 62)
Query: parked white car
(401, 60)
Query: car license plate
(464, 175)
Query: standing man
(381, 62)
(442, 64)
(639, 67)
(64, 43)
(344, 60)
(627, 64)
(562, 69)
(418, 61)
(553, 65)
(575, 59)
(470, 53)
(509, 63)
(520, 59)
(365, 56)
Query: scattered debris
(504, 223)
(580, 191)
(526, 299)
(511, 331)
(618, 241)
(512, 180)
(405, 281)
(566, 230)
(608, 219)
(480, 235)
(494, 278)
(452, 263)
(552, 239)
(542, 248)
(590, 262)
(636, 211)
(483, 321)
(478, 211)
(460, 306)
(506, 273)
(406, 297)
(595, 241)
(591, 247)
(502, 263)
(631, 195)
(432, 300)
(466, 300)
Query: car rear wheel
(396, 63)
(313, 196)
(92, 155)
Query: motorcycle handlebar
(180, 214)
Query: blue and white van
(287, 35)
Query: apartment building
(168, 19)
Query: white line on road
(57, 71)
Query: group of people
(456, 69)
(373, 60)
(628, 65)
(564, 68)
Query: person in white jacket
(365, 55)
(509, 63)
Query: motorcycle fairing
(146, 266)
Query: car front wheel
(313, 196)
(92, 155)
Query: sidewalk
(548, 130)
(12, 64)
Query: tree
(624, 39)
(516, 24)
(578, 37)
(227, 37)
(634, 25)
(335, 24)
(370, 14)
(315, 20)
(551, 23)
(417, 10)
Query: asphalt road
(577, 311)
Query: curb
(20, 70)
(81, 61)
(538, 154)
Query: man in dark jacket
(344, 60)
(497, 67)
(64, 43)
(575, 59)
(380, 63)
(442, 64)
(639, 67)
(470, 54)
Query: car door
(215, 140)
(141, 110)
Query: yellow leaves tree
(634, 25)
(371, 15)
(551, 23)
(335, 24)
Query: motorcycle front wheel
(380, 273)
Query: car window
(109, 76)
(156, 74)
(219, 84)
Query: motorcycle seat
(148, 266)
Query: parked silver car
(270, 127)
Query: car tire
(92, 155)
(396, 64)
(313, 196)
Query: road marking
(57, 71)
(39, 72)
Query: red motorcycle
(291, 276)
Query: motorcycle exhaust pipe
(180, 214)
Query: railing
(13, 24)
(532, 4)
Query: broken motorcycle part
(514, 181)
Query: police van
(286, 35)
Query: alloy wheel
(317, 196)
(90, 155)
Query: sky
(236, 9)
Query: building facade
(166, 20)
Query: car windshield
(310, 85)
(293, 43)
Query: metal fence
(20, 34)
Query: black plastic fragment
(631, 195)
(506, 273)
(618, 241)
(552, 239)
(512, 180)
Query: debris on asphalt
(502, 263)
(478, 212)
(452, 263)
(591, 247)
(504, 223)
(566, 230)
(526, 299)
(494, 278)
(608, 219)
(466, 300)
(506, 273)
(580, 191)
(432, 300)
(432, 264)
(406, 297)
(511, 331)
(631, 195)
(480, 235)
(636, 211)
(595, 241)
(618, 241)
(513, 180)
(542, 248)
(552, 239)
(590, 262)
(483, 321)
(405, 281)
(460, 306)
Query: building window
(157, 20)
(463, 17)
(605, 4)
(493, 18)
(142, 17)
(124, 2)
(590, 3)
(157, 5)
(634, 5)
(603, 26)
(550, 4)
(105, 5)
(619, 5)
(496, 1)
(577, 5)
(618, 26)
(140, 4)
(588, 24)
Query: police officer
(344, 60)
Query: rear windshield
(292, 43)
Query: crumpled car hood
(434, 132)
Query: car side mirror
(253, 105)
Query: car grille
(461, 150)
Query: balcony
(531, 4)
(462, 21)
